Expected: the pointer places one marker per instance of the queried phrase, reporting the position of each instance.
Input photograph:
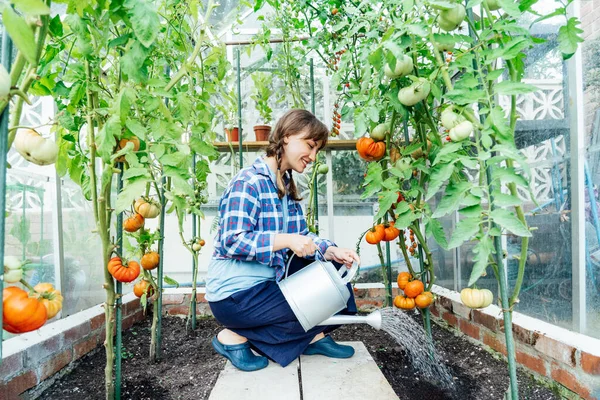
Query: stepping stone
(354, 378)
(323, 378)
(270, 383)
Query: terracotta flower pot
(233, 135)
(262, 132)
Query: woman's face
(299, 152)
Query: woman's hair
(292, 123)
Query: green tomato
(13, 271)
(461, 131)
(411, 95)
(450, 119)
(404, 66)
(451, 19)
(323, 169)
(403, 164)
(443, 42)
(379, 132)
(493, 5)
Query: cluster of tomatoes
(144, 208)
(414, 293)
(337, 121)
(382, 233)
(413, 243)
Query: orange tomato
(150, 260)
(21, 313)
(123, 272)
(414, 288)
(405, 303)
(370, 150)
(424, 300)
(376, 234)
(403, 278)
(391, 233)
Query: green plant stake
(119, 295)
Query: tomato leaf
(144, 20)
(510, 88)
(105, 139)
(170, 281)
(471, 211)
(132, 63)
(506, 200)
(386, 199)
(508, 175)
(510, 222)
(464, 96)
(452, 197)
(404, 220)
(135, 172)
(510, 7)
(132, 190)
(481, 255)
(499, 123)
(32, 7)
(449, 148)
(439, 175)
(136, 128)
(569, 37)
(21, 34)
(433, 227)
(465, 229)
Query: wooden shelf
(333, 144)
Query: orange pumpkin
(150, 260)
(414, 288)
(424, 300)
(123, 272)
(50, 297)
(370, 150)
(133, 223)
(142, 287)
(405, 303)
(391, 233)
(376, 234)
(21, 313)
(403, 278)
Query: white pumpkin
(34, 148)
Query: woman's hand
(302, 246)
(343, 256)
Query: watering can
(318, 291)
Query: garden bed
(190, 367)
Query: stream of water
(411, 336)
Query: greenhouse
(300, 199)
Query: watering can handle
(287, 266)
(349, 272)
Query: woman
(252, 246)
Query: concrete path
(308, 378)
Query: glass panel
(83, 269)
(591, 99)
(28, 224)
(542, 134)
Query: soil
(190, 366)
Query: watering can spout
(373, 319)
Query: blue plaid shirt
(251, 214)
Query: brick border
(31, 358)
